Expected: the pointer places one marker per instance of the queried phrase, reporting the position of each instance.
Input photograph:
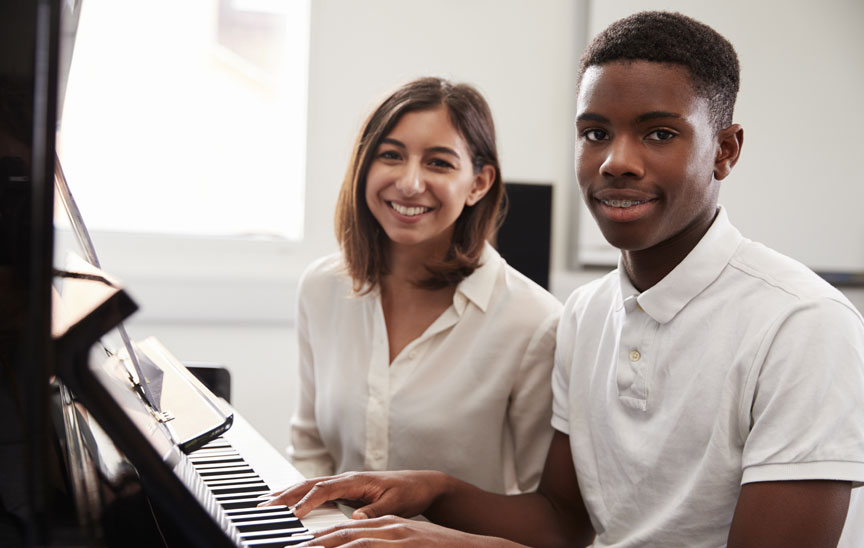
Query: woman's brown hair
(364, 244)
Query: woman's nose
(410, 181)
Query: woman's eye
(389, 155)
(438, 162)
(594, 134)
(660, 135)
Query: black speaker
(525, 238)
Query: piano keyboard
(236, 481)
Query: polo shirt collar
(477, 288)
(692, 275)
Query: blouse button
(412, 355)
(635, 356)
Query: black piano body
(84, 459)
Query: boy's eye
(660, 135)
(594, 134)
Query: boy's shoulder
(600, 292)
(782, 275)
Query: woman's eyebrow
(443, 150)
(431, 150)
(392, 141)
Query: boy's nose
(623, 158)
(410, 181)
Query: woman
(420, 348)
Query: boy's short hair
(673, 38)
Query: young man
(708, 391)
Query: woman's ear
(730, 140)
(482, 183)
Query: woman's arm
(307, 450)
(529, 412)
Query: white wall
(522, 54)
(796, 187)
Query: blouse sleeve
(530, 410)
(307, 450)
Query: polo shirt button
(412, 355)
(635, 356)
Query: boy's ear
(730, 140)
(482, 183)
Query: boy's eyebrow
(656, 114)
(439, 149)
(593, 117)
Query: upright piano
(104, 441)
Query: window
(182, 137)
(188, 117)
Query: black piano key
(250, 489)
(237, 482)
(222, 470)
(236, 496)
(241, 519)
(240, 503)
(227, 459)
(273, 533)
(268, 524)
(238, 489)
(232, 474)
(263, 510)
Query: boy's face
(645, 155)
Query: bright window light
(189, 117)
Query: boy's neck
(647, 267)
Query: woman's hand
(404, 493)
(390, 531)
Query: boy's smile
(647, 159)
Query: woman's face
(421, 177)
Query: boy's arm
(553, 516)
(806, 513)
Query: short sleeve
(806, 419)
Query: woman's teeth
(409, 211)
(623, 203)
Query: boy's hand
(392, 531)
(405, 493)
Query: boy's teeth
(622, 203)
(409, 211)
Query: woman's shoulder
(519, 288)
(514, 291)
(324, 272)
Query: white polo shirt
(471, 396)
(741, 365)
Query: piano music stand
(89, 309)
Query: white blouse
(470, 397)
